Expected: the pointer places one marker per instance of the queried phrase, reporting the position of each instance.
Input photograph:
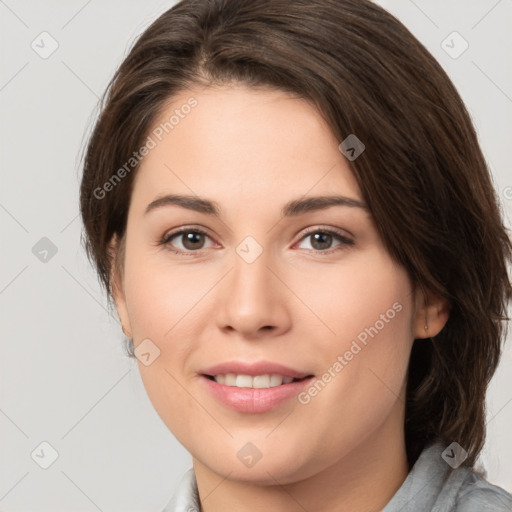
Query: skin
(252, 151)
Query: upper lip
(256, 368)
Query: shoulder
(477, 494)
(433, 484)
(463, 489)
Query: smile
(244, 396)
(249, 381)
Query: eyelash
(165, 241)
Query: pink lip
(259, 368)
(251, 400)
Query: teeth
(248, 381)
(243, 381)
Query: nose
(253, 301)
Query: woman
(288, 205)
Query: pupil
(191, 240)
(321, 240)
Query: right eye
(189, 240)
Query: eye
(187, 240)
(321, 240)
(190, 240)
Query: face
(259, 273)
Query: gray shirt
(431, 486)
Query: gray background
(64, 376)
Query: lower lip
(253, 400)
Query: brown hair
(422, 174)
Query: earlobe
(432, 313)
(118, 293)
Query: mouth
(253, 388)
(264, 381)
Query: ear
(431, 314)
(117, 284)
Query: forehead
(242, 145)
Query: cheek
(159, 295)
(164, 305)
(364, 354)
(366, 297)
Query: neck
(363, 480)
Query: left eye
(322, 240)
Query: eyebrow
(290, 209)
